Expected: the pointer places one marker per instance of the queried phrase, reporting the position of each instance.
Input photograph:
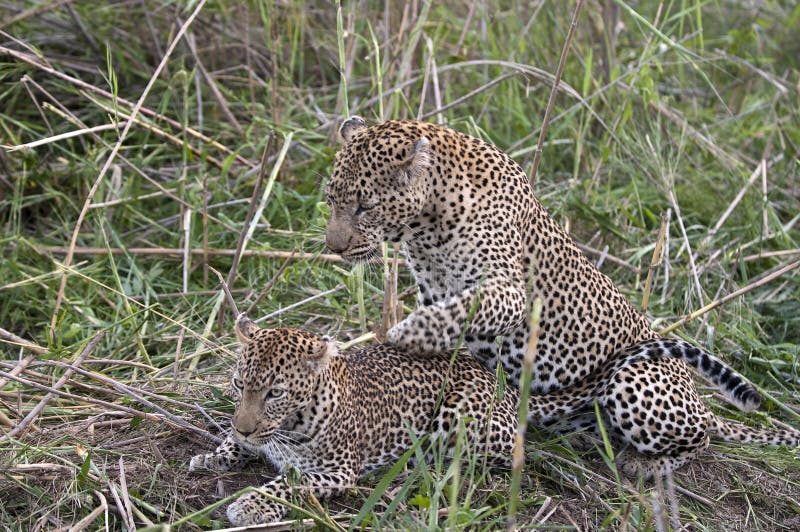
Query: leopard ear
(245, 328)
(350, 127)
(416, 164)
(321, 353)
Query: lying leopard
(473, 230)
(333, 416)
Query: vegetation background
(146, 142)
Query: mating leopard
(473, 231)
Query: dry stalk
(686, 243)
(126, 500)
(204, 211)
(84, 399)
(458, 101)
(177, 252)
(218, 96)
(752, 179)
(226, 290)
(41, 63)
(732, 295)
(551, 102)
(251, 210)
(124, 389)
(94, 514)
(655, 261)
(32, 12)
(771, 254)
(64, 113)
(12, 338)
(300, 303)
(152, 128)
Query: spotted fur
(333, 416)
(473, 231)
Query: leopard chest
(444, 270)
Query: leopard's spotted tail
(738, 391)
(735, 432)
(565, 401)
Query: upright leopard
(472, 228)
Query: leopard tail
(736, 432)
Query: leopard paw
(413, 335)
(254, 509)
(211, 462)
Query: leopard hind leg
(654, 406)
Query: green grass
(666, 106)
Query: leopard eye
(237, 383)
(275, 393)
(361, 209)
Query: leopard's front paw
(417, 334)
(254, 509)
(209, 461)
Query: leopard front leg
(229, 455)
(256, 508)
(499, 309)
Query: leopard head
(276, 377)
(379, 186)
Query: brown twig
(551, 102)
(251, 210)
(271, 283)
(296, 255)
(228, 295)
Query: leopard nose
(336, 241)
(245, 433)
